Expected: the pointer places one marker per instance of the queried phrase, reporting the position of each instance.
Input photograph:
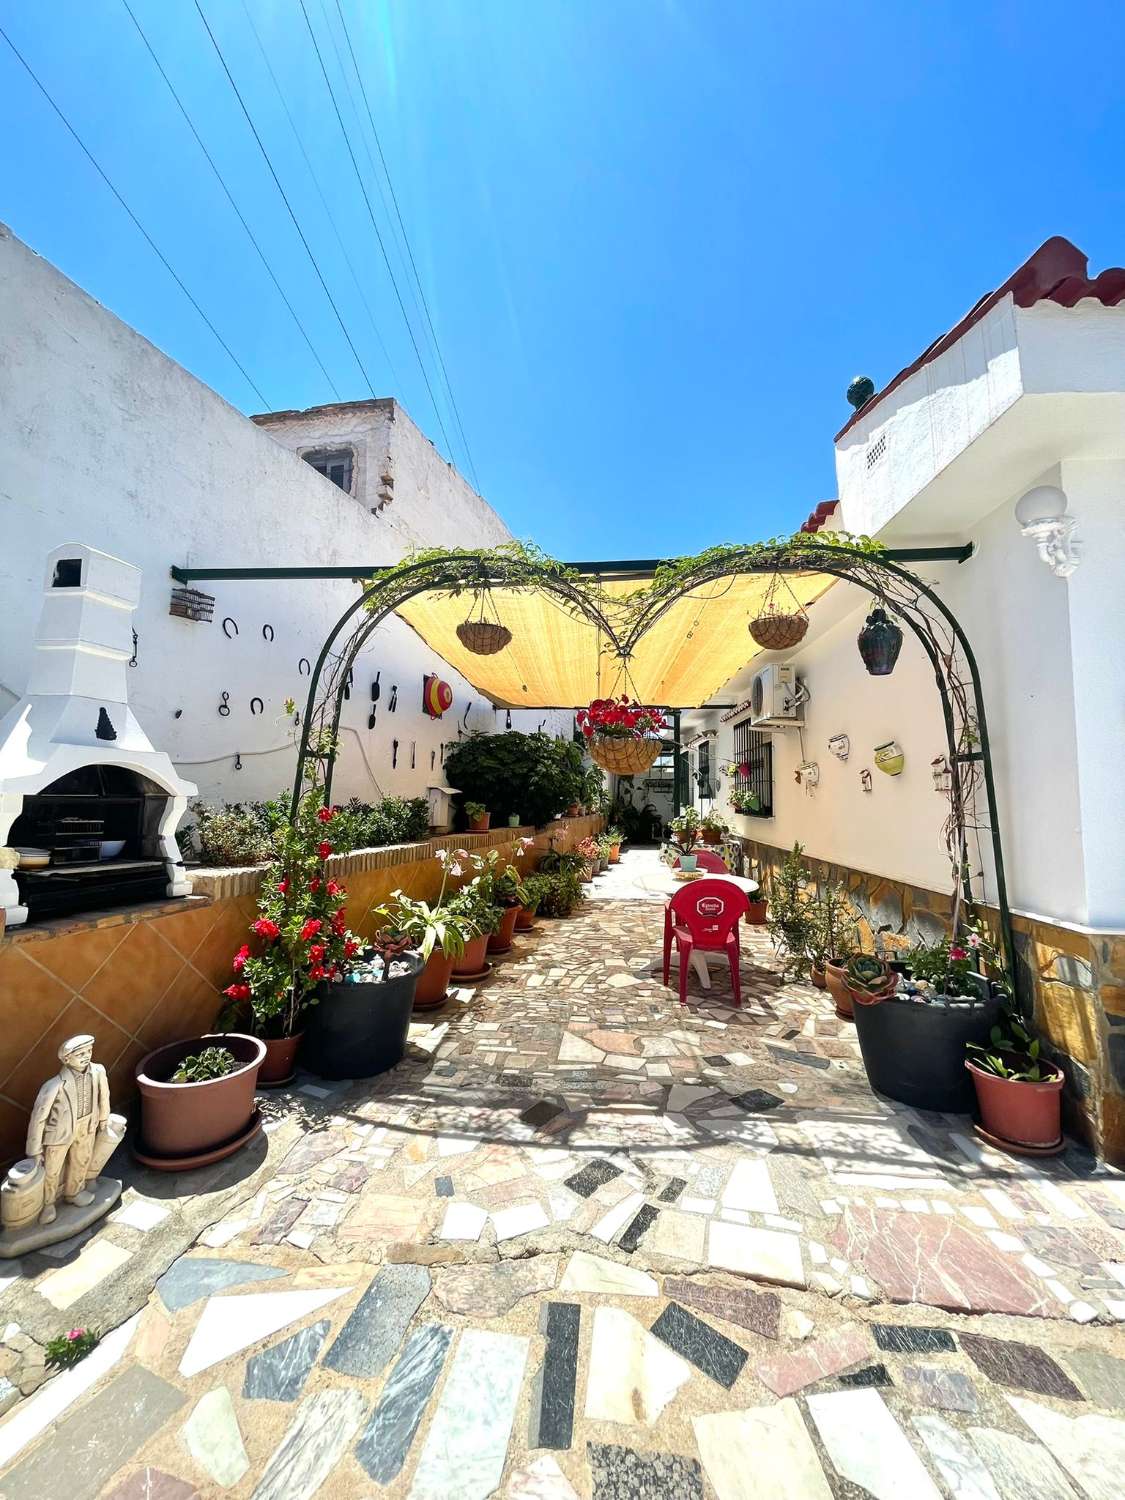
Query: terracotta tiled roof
(820, 515)
(1057, 272)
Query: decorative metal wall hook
(224, 706)
(413, 753)
(133, 658)
(237, 761)
(348, 683)
(178, 713)
(465, 717)
(267, 632)
(394, 754)
(392, 701)
(304, 666)
(261, 708)
(433, 758)
(228, 620)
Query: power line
(374, 225)
(284, 197)
(319, 190)
(230, 198)
(153, 246)
(406, 241)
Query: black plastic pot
(879, 642)
(915, 1051)
(359, 1030)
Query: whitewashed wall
(105, 440)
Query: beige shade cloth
(558, 660)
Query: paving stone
(230, 1324)
(310, 1150)
(386, 1440)
(96, 1261)
(868, 1447)
(760, 1312)
(1020, 1469)
(870, 1377)
(794, 1369)
(636, 1229)
(463, 1221)
(766, 1254)
(680, 1236)
(278, 1373)
(592, 1176)
(756, 1101)
(489, 1291)
(371, 1335)
(541, 1113)
(1100, 1375)
(465, 1450)
(904, 1338)
(443, 1187)
(948, 1390)
(277, 1224)
(153, 1484)
(749, 1188)
(710, 1351)
(193, 1277)
(806, 1059)
(552, 1414)
(1022, 1367)
(633, 1376)
(541, 1479)
(672, 1190)
(312, 1446)
(624, 1474)
(1090, 1448)
(955, 1459)
(761, 1454)
(89, 1446)
(212, 1437)
(591, 1273)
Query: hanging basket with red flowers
(621, 735)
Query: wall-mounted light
(1041, 514)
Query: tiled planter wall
(143, 976)
(1074, 978)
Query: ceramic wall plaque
(889, 758)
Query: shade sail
(556, 660)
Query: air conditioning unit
(775, 699)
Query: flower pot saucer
(472, 978)
(1014, 1148)
(424, 1007)
(201, 1158)
(275, 1083)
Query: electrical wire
(153, 246)
(230, 198)
(374, 224)
(320, 193)
(409, 249)
(284, 196)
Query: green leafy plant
(211, 1062)
(744, 801)
(556, 862)
(472, 904)
(438, 926)
(790, 918)
(713, 822)
(952, 965)
(245, 833)
(1022, 1049)
(529, 774)
(475, 810)
(71, 1348)
(233, 835)
(867, 974)
(832, 932)
(556, 895)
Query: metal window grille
(703, 765)
(754, 751)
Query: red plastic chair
(705, 915)
(706, 859)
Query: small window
(753, 760)
(335, 464)
(68, 573)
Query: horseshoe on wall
(304, 666)
(261, 708)
(268, 628)
(228, 620)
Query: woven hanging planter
(781, 624)
(483, 637)
(622, 756)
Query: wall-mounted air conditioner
(775, 699)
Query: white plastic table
(663, 881)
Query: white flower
(442, 854)
(462, 854)
(455, 870)
(974, 939)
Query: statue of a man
(70, 1112)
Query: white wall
(105, 440)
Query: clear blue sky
(657, 237)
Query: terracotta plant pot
(359, 1030)
(818, 977)
(757, 913)
(500, 941)
(433, 982)
(572, 810)
(479, 825)
(474, 958)
(280, 1062)
(525, 918)
(1027, 1114)
(181, 1122)
(838, 989)
(615, 854)
(712, 835)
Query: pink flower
(455, 870)
(442, 854)
(76, 1333)
(956, 954)
(974, 939)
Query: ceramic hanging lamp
(879, 642)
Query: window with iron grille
(703, 768)
(753, 761)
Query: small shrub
(212, 1062)
(557, 895)
(244, 833)
(234, 835)
(529, 774)
(71, 1348)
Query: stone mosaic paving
(584, 1243)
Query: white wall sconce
(1041, 514)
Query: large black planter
(915, 1052)
(359, 1030)
(879, 642)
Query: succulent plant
(868, 978)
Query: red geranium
(240, 958)
(238, 991)
(316, 952)
(326, 814)
(266, 928)
(620, 718)
(282, 886)
(324, 850)
(310, 929)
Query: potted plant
(1018, 1093)
(621, 736)
(300, 939)
(832, 941)
(477, 909)
(588, 849)
(359, 1028)
(604, 846)
(525, 913)
(513, 820)
(683, 836)
(869, 978)
(557, 894)
(713, 828)
(914, 1039)
(532, 774)
(744, 801)
(197, 1100)
(615, 837)
(438, 933)
(478, 817)
(790, 915)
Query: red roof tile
(820, 515)
(1055, 273)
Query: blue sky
(657, 237)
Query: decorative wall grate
(875, 451)
(192, 604)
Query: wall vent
(876, 450)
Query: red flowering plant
(300, 937)
(620, 719)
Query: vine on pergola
(623, 622)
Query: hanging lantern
(942, 773)
(437, 696)
(879, 642)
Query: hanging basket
(483, 637)
(623, 757)
(782, 622)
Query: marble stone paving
(584, 1244)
